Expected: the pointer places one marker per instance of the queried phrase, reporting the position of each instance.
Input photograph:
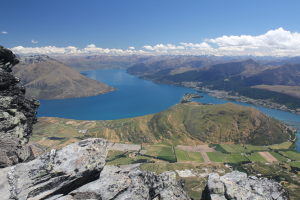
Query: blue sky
(124, 23)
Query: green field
(252, 148)
(278, 156)
(284, 145)
(256, 157)
(291, 155)
(233, 148)
(229, 158)
(238, 148)
(183, 156)
(236, 158)
(163, 152)
(216, 156)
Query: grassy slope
(187, 124)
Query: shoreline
(221, 94)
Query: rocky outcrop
(77, 172)
(56, 172)
(129, 182)
(17, 114)
(238, 186)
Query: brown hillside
(47, 78)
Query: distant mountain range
(47, 78)
(93, 62)
(249, 78)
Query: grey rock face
(54, 173)
(17, 115)
(77, 172)
(238, 186)
(127, 183)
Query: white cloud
(4, 32)
(34, 41)
(277, 42)
(163, 47)
(71, 50)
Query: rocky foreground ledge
(78, 171)
(238, 186)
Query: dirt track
(205, 157)
(269, 157)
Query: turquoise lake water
(136, 97)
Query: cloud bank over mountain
(277, 42)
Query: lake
(136, 97)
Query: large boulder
(17, 114)
(56, 172)
(238, 186)
(129, 182)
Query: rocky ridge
(17, 114)
(237, 185)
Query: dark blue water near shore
(135, 97)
